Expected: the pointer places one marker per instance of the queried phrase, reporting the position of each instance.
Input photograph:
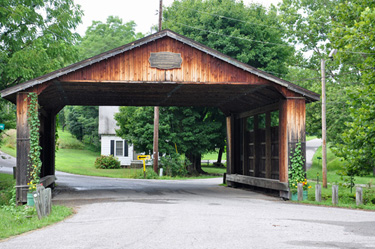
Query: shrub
(107, 162)
(173, 165)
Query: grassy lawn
(16, 220)
(334, 166)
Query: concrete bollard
(318, 192)
(161, 172)
(335, 194)
(300, 191)
(359, 196)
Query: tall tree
(194, 131)
(101, 37)
(307, 25)
(36, 38)
(250, 34)
(354, 35)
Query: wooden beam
(258, 182)
(23, 148)
(263, 109)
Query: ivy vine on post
(35, 164)
(297, 172)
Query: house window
(119, 148)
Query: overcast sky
(142, 12)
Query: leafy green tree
(353, 35)
(307, 25)
(82, 122)
(250, 34)
(36, 38)
(101, 37)
(193, 131)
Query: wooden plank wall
(134, 66)
(259, 148)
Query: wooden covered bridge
(167, 69)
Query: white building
(110, 143)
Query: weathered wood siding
(133, 65)
(23, 147)
(291, 131)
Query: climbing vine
(35, 164)
(296, 169)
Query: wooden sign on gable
(165, 60)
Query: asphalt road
(126, 213)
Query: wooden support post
(318, 192)
(23, 148)
(335, 194)
(268, 146)
(292, 115)
(230, 166)
(359, 196)
(300, 191)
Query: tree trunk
(194, 165)
(220, 155)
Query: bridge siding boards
(123, 76)
(133, 65)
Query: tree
(193, 131)
(101, 37)
(36, 38)
(250, 34)
(353, 35)
(82, 122)
(308, 24)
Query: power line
(263, 25)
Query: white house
(110, 143)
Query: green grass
(68, 141)
(16, 220)
(8, 144)
(308, 138)
(213, 156)
(334, 166)
(23, 219)
(346, 198)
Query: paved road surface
(311, 147)
(126, 213)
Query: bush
(107, 162)
(173, 165)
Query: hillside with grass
(75, 157)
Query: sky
(142, 12)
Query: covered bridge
(168, 69)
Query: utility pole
(324, 125)
(156, 108)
